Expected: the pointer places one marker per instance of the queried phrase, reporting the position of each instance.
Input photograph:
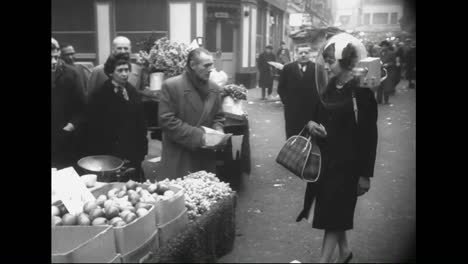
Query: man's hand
(69, 127)
(316, 129)
(204, 140)
(363, 186)
(219, 128)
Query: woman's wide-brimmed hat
(342, 40)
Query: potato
(99, 221)
(69, 220)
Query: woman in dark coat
(116, 118)
(348, 153)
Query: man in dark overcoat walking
(297, 90)
(266, 71)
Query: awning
(223, 4)
(281, 4)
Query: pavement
(271, 197)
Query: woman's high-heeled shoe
(348, 259)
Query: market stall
(234, 158)
(189, 219)
(204, 240)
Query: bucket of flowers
(233, 95)
(164, 60)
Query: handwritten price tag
(67, 187)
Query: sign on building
(221, 14)
(299, 19)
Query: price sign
(221, 14)
(67, 187)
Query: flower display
(165, 56)
(202, 191)
(237, 92)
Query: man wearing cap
(67, 53)
(298, 92)
(67, 110)
(266, 71)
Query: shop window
(380, 18)
(74, 22)
(210, 39)
(260, 19)
(82, 42)
(394, 18)
(227, 40)
(366, 19)
(345, 19)
(140, 19)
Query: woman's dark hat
(384, 44)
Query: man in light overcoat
(189, 101)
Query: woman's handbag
(302, 157)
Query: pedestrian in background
(283, 54)
(266, 71)
(67, 111)
(348, 153)
(411, 65)
(298, 92)
(389, 63)
(375, 51)
(116, 119)
(399, 59)
(67, 53)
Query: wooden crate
(143, 252)
(79, 244)
(168, 210)
(172, 228)
(133, 235)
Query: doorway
(221, 40)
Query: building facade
(373, 16)
(236, 31)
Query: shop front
(90, 25)
(231, 35)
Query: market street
(271, 197)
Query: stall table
(151, 107)
(231, 169)
(206, 239)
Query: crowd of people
(101, 112)
(398, 59)
(98, 111)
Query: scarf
(201, 86)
